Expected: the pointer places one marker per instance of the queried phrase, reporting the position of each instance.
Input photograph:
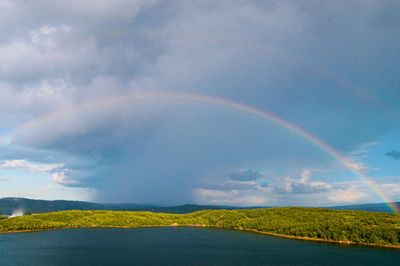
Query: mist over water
(178, 246)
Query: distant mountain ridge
(10, 204)
(373, 207)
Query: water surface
(178, 246)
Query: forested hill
(342, 226)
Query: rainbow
(220, 102)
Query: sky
(267, 103)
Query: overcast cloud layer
(329, 67)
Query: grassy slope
(331, 225)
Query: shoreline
(327, 241)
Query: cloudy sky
(210, 102)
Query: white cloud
(392, 189)
(350, 195)
(2, 178)
(358, 157)
(246, 185)
(230, 197)
(54, 192)
(30, 166)
(251, 192)
(6, 4)
(361, 151)
(359, 166)
(62, 179)
(303, 184)
(57, 170)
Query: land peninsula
(317, 224)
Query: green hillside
(370, 228)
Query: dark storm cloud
(319, 65)
(393, 154)
(248, 175)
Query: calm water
(178, 246)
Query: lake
(178, 246)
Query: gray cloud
(281, 56)
(248, 175)
(393, 154)
(58, 40)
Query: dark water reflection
(178, 246)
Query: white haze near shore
(16, 213)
